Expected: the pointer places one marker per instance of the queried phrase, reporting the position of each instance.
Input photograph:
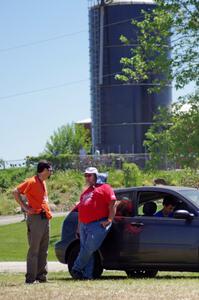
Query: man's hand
(29, 210)
(106, 223)
(112, 211)
(25, 207)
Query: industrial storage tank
(121, 113)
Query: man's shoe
(43, 280)
(76, 274)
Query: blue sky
(26, 122)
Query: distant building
(86, 123)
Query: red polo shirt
(94, 203)
(36, 193)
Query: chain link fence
(77, 162)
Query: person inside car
(124, 208)
(168, 207)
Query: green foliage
(64, 187)
(9, 179)
(132, 175)
(59, 162)
(69, 161)
(174, 135)
(116, 178)
(171, 26)
(68, 139)
(14, 176)
(2, 163)
(189, 178)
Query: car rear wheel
(141, 273)
(98, 269)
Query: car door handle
(137, 224)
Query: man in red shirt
(38, 216)
(96, 211)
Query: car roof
(157, 188)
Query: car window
(150, 207)
(192, 195)
(125, 205)
(151, 203)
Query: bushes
(131, 175)
(116, 178)
(12, 177)
(64, 187)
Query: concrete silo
(121, 113)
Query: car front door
(166, 240)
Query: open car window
(152, 202)
(125, 205)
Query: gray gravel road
(20, 267)
(4, 220)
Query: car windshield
(192, 195)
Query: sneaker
(43, 280)
(76, 274)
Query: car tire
(141, 273)
(98, 269)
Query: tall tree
(172, 26)
(174, 135)
(69, 139)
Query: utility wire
(30, 92)
(59, 37)
(52, 87)
(62, 85)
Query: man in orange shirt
(38, 216)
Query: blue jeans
(91, 237)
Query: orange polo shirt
(36, 193)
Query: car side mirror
(183, 214)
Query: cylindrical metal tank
(121, 113)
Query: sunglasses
(88, 175)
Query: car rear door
(115, 249)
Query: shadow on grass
(171, 277)
(120, 277)
(111, 277)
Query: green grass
(113, 285)
(14, 246)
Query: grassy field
(13, 246)
(166, 286)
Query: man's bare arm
(112, 212)
(24, 206)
